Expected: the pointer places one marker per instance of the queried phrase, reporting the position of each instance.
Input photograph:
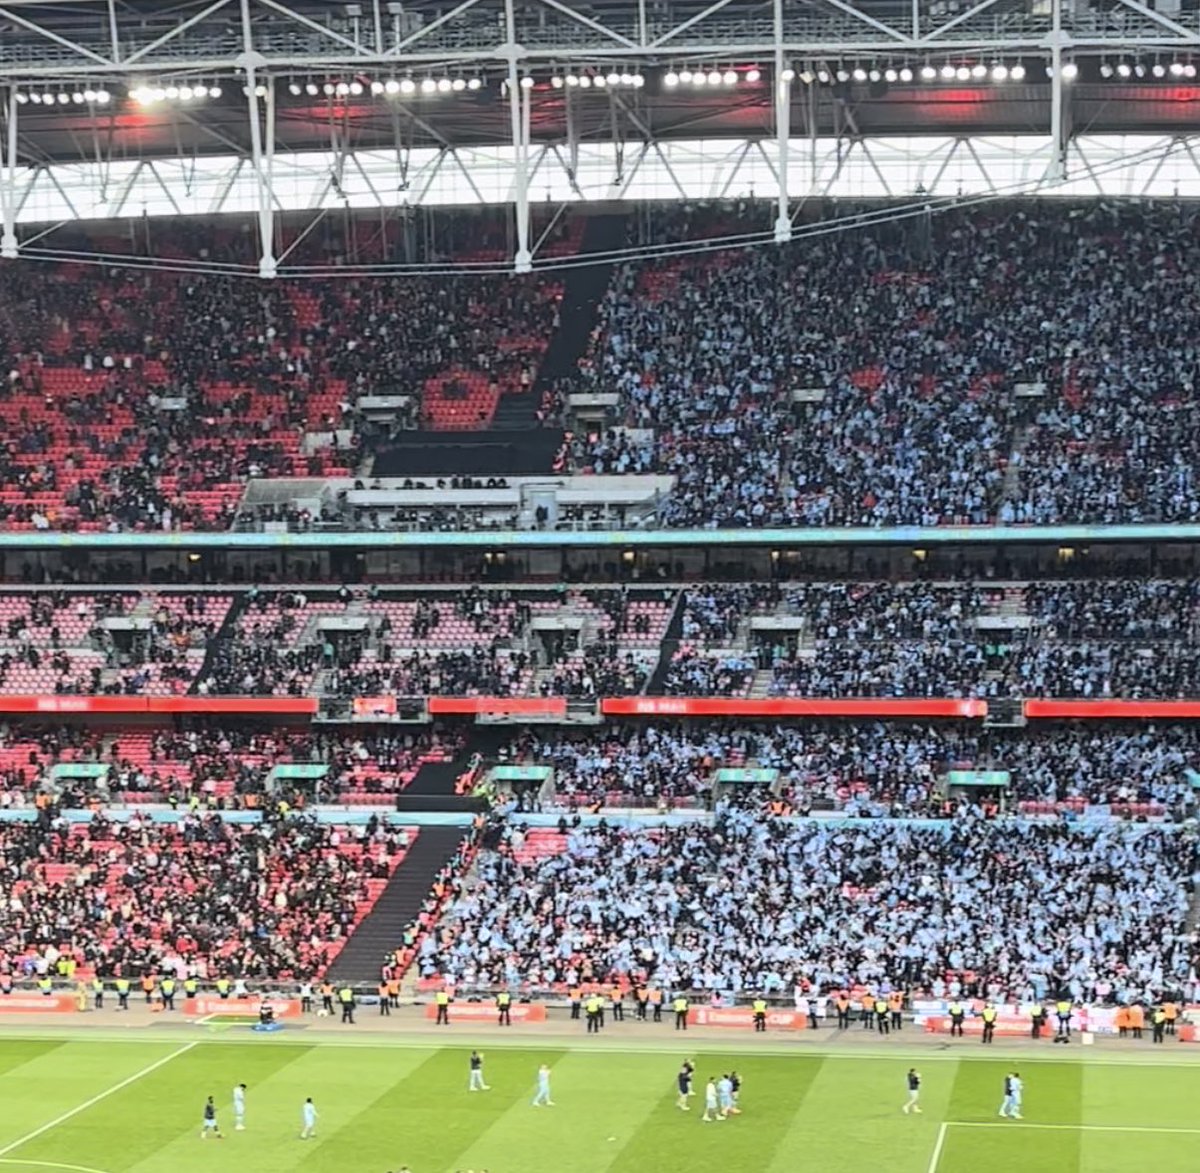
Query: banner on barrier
(743, 1017)
(38, 1004)
(486, 1012)
(241, 1007)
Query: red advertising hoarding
(39, 1004)
(203, 1006)
(486, 1012)
(710, 706)
(1111, 709)
(66, 705)
(743, 1017)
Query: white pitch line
(49, 1165)
(1072, 1127)
(116, 1087)
(937, 1149)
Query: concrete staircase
(398, 905)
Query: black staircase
(399, 904)
(224, 634)
(583, 290)
(667, 650)
(516, 444)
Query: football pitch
(112, 1105)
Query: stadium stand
(873, 403)
(868, 767)
(754, 904)
(200, 896)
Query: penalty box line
(944, 1129)
(96, 1099)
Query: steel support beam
(1057, 170)
(251, 63)
(8, 183)
(523, 261)
(783, 130)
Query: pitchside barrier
(1016, 1021)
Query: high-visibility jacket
(45, 985)
(168, 986)
(594, 1005)
(760, 1007)
(989, 1014)
(190, 986)
(345, 995)
(442, 998)
(122, 985)
(680, 1005)
(503, 1000)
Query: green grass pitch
(109, 1106)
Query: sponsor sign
(242, 1007)
(743, 1016)
(679, 706)
(486, 1012)
(38, 1004)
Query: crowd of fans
(147, 399)
(876, 376)
(1115, 637)
(869, 768)
(213, 766)
(271, 900)
(1021, 364)
(753, 903)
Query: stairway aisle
(516, 444)
(583, 291)
(398, 904)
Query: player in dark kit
(684, 1082)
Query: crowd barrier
(1016, 1021)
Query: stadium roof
(1135, 71)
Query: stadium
(573, 572)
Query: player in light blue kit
(543, 1088)
(725, 1095)
(239, 1108)
(310, 1120)
(1013, 1089)
(711, 1111)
